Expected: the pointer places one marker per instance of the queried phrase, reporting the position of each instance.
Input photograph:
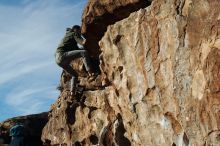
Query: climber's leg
(73, 73)
(73, 85)
(87, 62)
(69, 70)
(68, 56)
(71, 55)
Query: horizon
(30, 33)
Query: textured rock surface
(101, 13)
(163, 68)
(33, 128)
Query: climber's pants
(64, 59)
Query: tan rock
(98, 14)
(163, 68)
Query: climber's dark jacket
(69, 42)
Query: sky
(30, 31)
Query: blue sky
(30, 31)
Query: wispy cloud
(29, 100)
(29, 35)
(17, 71)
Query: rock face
(33, 128)
(101, 13)
(161, 68)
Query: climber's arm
(79, 39)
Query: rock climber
(17, 135)
(69, 50)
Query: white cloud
(15, 72)
(29, 100)
(29, 36)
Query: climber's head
(76, 28)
